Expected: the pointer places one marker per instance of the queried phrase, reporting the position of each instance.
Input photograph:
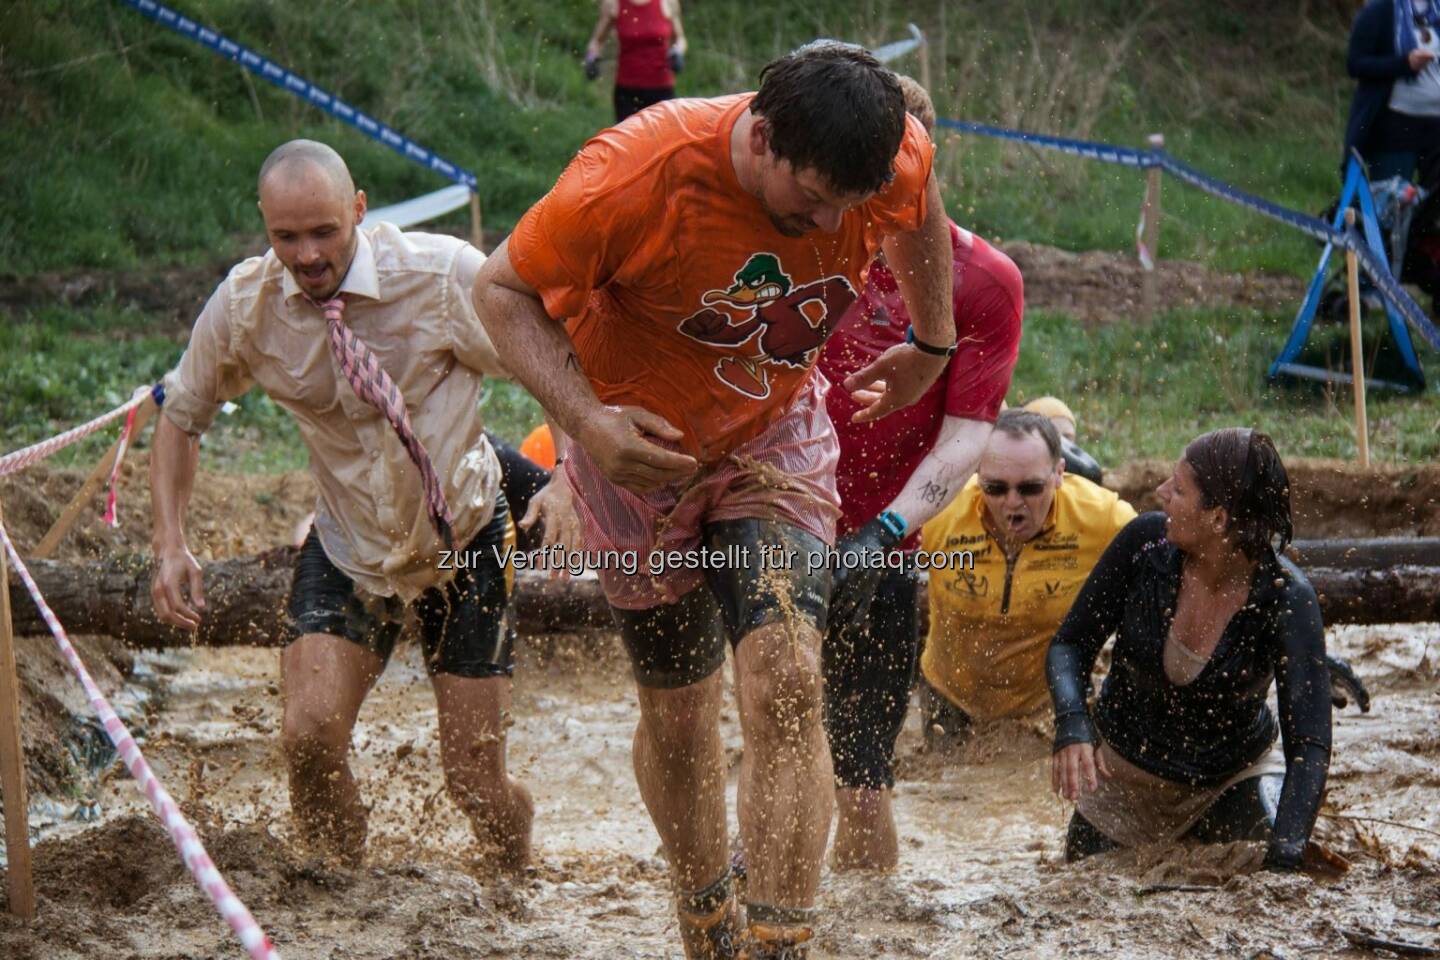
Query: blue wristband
(895, 523)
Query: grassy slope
(130, 146)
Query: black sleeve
(1095, 615)
(1371, 53)
(520, 477)
(1302, 682)
(1080, 463)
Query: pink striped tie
(373, 385)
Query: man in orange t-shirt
(698, 255)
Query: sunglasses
(999, 488)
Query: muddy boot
(777, 933)
(764, 942)
(708, 928)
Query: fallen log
(1367, 554)
(245, 599)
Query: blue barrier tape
(302, 88)
(1104, 152)
(1313, 227)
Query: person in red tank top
(652, 51)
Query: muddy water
(980, 874)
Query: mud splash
(980, 872)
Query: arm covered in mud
(209, 373)
(922, 263)
(538, 351)
(1095, 615)
(933, 484)
(1302, 684)
(940, 477)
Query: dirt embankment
(1330, 498)
(1100, 287)
(1094, 287)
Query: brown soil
(1094, 287)
(1100, 287)
(1332, 498)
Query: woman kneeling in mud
(1182, 742)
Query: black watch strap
(929, 348)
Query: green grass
(129, 147)
(1146, 393)
(66, 366)
(127, 144)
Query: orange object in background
(539, 447)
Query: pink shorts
(785, 475)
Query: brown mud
(980, 874)
(1099, 287)
(1094, 286)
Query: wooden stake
(1357, 353)
(1148, 236)
(12, 763)
(93, 482)
(925, 62)
(477, 236)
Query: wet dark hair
(1019, 423)
(833, 108)
(1239, 469)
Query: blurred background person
(1077, 461)
(1395, 113)
(652, 50)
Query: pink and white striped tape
(256, 943)
(24, 457)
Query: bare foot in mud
(328, 840)
(502, 832)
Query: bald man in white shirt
(368, 338)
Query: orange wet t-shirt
(679, 293)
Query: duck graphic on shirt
(767, 320)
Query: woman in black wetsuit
(1181, 742)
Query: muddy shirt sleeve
(1095, 615)
(469, 339)
(988, 311)
(209, 373)
(1302, 685)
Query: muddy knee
(787, 693)
(680, 722)
(310, 738)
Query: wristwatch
(929, 348)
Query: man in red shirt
(666, 302)
(894, 475)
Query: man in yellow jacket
(1035, 533)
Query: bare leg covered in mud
(680, 767)
(474, 714)
(786, 783)
(865, 836)
(325, 679)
